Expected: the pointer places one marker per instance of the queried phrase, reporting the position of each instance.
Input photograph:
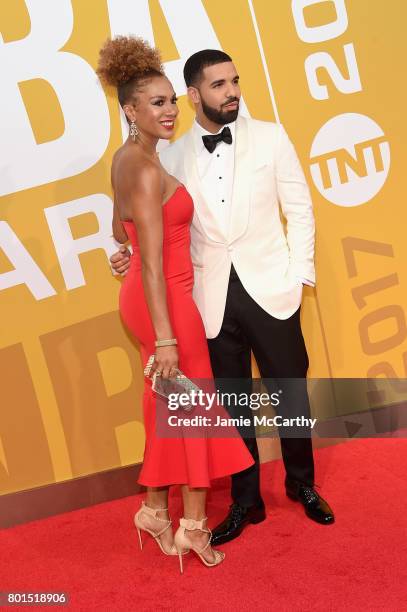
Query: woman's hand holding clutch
(165, 363)
(175, 385)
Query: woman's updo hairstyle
(127, 62)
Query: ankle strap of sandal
(153, 512)
(191, 524)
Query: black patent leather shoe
(316, 508)
(236, 520)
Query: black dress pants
(279, 349)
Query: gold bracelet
(170, 342)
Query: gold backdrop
(332, 71)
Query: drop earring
(133, 131)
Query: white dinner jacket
(269, 261)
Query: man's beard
(220, 117)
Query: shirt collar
(198, 131)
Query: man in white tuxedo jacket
(249, 271)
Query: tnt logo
(350, 159)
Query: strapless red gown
(180, 460)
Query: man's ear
(193, 95)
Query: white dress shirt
(216, 174)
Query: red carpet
(285, 563)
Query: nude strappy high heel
(140, 526)
(184, 544)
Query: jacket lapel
(243, 180)
(202, 210)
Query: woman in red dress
(154, 211)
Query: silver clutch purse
(174, 386)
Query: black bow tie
(210, 141)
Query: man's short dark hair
(202, 59)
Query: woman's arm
(146, 208)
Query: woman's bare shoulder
(126, 159)
(143, 174)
